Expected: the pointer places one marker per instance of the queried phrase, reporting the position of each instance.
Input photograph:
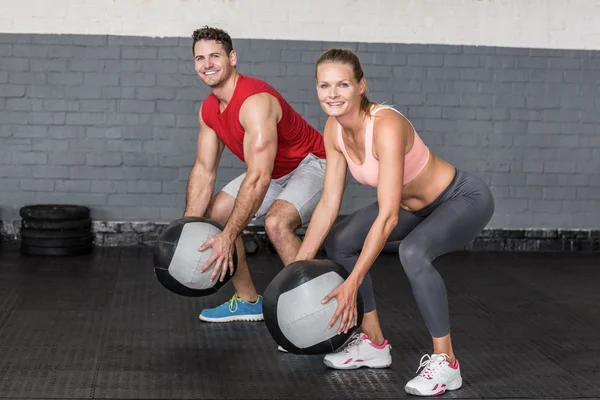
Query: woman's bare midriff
(428, 185)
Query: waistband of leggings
(428, 209)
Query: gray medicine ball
(293, 311)
(177, 261)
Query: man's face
(212, 64)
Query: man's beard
(220, 82)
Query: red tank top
(295, 137)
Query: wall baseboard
(113, 234)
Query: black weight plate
(46, 234)
(54, 212)
(56, 251)
(250, 244)
(56, 225)
(71, 242)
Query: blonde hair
(347, 56)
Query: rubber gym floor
(100, 326)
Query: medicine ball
(177, 261)
(293, 311)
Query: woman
(425, 202)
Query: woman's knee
(338, 243)
(414, 258)
(331, 244)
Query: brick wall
(111, 122)
(504, 23)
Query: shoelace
(429, 369)
(233, 303)
(354, 341)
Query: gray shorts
(302, 188)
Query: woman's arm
(333, 190)
(389, 143)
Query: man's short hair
(216, 34)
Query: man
(285, 157)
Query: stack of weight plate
(56, 230)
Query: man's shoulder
(259, 99)
(263, 105)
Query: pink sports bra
(367, 173)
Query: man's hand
(222, 246)
(345, 294)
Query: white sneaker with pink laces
(360, 352)
(436, 377)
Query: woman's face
(337, 90)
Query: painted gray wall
(111, 122)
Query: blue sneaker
(236, 309)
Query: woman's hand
(345, 294)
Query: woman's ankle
(377, 339)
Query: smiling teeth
(210, 73)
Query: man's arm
(329, 205)
(201, 181)
(259, 116)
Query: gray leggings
(448, 224)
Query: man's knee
(220, 208)
(281, 219)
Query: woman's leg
(450, 227)
(343, 245)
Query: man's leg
(281, 223)
(246, 304)
(219, 210)
(294, 207)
